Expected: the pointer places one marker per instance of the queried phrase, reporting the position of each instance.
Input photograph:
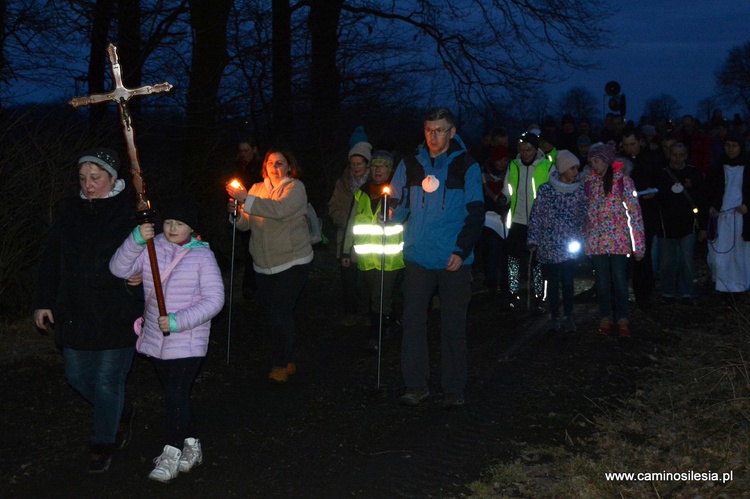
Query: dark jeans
(99, 376)
(354, 292)
(454, 289)
(643, 274)
(495, 256)
(612, 272)
(560, 275)
(677, 266)
(279, 293)
(177, 377)
(372, 281)
(248, 279)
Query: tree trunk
(98, 58)
(208, 20)
(281, 100)
(325, 77)
(3, 36)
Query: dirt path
(329, 432)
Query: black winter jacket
(93, 310)
(676, 210)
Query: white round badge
(430, 183)
(677, 188)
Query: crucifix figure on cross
(121, 95)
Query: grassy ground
(546, 416)
(689, 414)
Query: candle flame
(235, 184)
(386, 190)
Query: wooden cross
(121, 95)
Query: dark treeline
(298, 73)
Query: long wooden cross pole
(121, 95)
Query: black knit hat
(529, 138)
(104, 157)
(180, 208)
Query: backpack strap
(684, 189)
(165, 275)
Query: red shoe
(623, 329)
(605, 327)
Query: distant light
(574, 247)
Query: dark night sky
(670, 47)
(663, 46)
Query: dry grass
(21, 341)
(691, 413)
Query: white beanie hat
(363, 149)
(566, 160)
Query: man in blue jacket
(439, 194)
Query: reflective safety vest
(368, 237)
(542, 170)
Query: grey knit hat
(103, 157)
(363, 149)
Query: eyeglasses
(437, 131)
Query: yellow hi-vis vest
(541, 176)
(368, 237)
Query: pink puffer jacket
(193, 292)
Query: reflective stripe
(377, 230)
(630, 227)
(378, 249)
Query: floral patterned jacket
(614, 225)
(557, 219)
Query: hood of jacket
(560, 186)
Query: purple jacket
(193, 295)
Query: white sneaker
(192, 455)
(167, 465)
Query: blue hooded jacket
(448, 220)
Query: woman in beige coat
(275, 212)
